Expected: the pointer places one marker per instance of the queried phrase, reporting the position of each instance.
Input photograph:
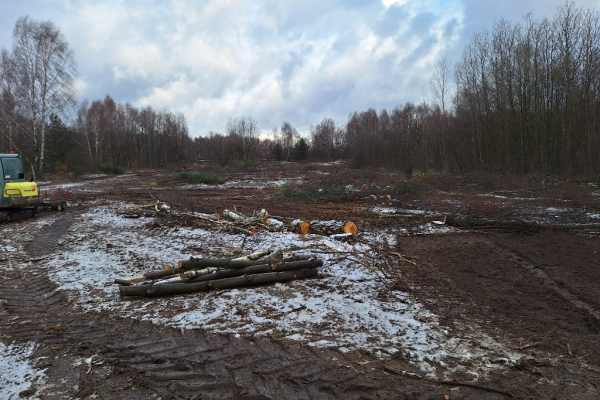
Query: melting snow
(16, 373)
(345, 309)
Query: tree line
(528, 95)
(524, 97)
(37, 93)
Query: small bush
(424, 175)
(326, 194)
(249, 165)
(80, 169)
(110, 169)
(207, 178)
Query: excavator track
(17, 214)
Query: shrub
(249, 165)
(200, 177)
(110, 169)
(326, 194)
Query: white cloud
(296, 61)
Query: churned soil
(523, 266)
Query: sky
(271, 60)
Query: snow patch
(16, 372)
(346, 309)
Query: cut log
(350, 227)
(160, 274)
(272, 224)
(136, 279)
(333, 227)
(234, 216)
(124, 282)
(261, 269)
(342, 237)
(222, 263)
(301, 227)
(254, 256)
(241, 281)
(198, 272)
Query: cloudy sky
(272, 60)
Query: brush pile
(233, 221)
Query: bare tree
(289, 135)
(323, 139)
(440, 85)
(44, 79)
(243, 131)
(8, 114)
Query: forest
(524, 97)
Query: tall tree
(44, 79)
(60, 142)
(440, 87)
(288, 135)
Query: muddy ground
(523, 268)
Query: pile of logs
(204, 274)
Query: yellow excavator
(21, 198)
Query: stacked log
(204, 274)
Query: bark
(198, 273)
(342, 237)
(254, 256)
(333, 227)
(261, 269)
(300, 227)
(224, 263)
(272, 224)
(123, 282)
(242, 281)
(160, 274)
(234, 216)
(258, 218)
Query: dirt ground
(523, 267)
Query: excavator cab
(16, 191)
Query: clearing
(456, 287)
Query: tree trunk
(242, 281)
(300, 227)
(260, 269)
(224, 263)
(161, 274)
(333, 227)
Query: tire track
(529, 265)
(140, 358)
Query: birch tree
(44, 77)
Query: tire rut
(537, 270)
(45, 241)
(171, 363)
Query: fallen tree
(224, 263)
(227, 283)
(202, 274)
(261, 268)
